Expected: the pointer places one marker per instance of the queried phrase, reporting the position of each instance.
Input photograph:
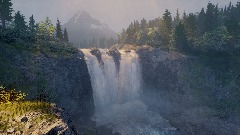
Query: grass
(11, 111)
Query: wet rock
(96, 52)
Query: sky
(116, 13)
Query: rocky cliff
(61, 79)
(199, 95)
(66, 82)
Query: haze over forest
(116, 13)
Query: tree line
(213, 30)
(102, 42)
(14, 27)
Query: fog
(116, 13)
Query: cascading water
(117, 96)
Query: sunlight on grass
(10, 111)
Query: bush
(10, 95)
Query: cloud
(116, 13)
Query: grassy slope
(11, 114)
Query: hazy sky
(116, 13)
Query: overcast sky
(116, 13)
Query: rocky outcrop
(198, 95)
(62, 80)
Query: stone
(24, 119)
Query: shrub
(10, 95)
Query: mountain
(85, 31)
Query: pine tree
(5, 11)
(46, 30)
(229, 7)
(32, 26)
(143, 24)
(216, 15)
(184, 18)
(19, 22)
(176, 19)
(166, 28)
(209, 22)
(191, 26)
(233, 27)
(142, 36)
(130, 34)
(201, 22)
(181, 42)
(225, 9)
(59, 34)
(65, 35)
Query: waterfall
(117, 96)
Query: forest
(212, 31)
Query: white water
(117, 96)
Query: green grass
(12, 110)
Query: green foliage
(10, 95)
(210, 22)
(32, 27)
(59, 34)
(18, 109)
(166, 29)
(216, 41)
(45, 30)
(215, 31)
(7, 35)
(5, 11)
(180, 38)
(19, 22)
(65, 35)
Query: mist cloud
(116, 13)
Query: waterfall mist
(117, 96)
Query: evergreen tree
(142, 37)
(209, 22)
(166, 29)
(233, 27)
(65, 35)
(143, 24)
(176, 19)
(46, 30)
(215, 17)
(225, 9)
(181, 42)
(130, 34)
(201, 22)
(59, 34)
(229, 7)
(19, 22)
(184, 18)
(32, 26)
(191, 27)
(5, 11)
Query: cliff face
(198, 95)
(62, 80)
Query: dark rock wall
(198, 95)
